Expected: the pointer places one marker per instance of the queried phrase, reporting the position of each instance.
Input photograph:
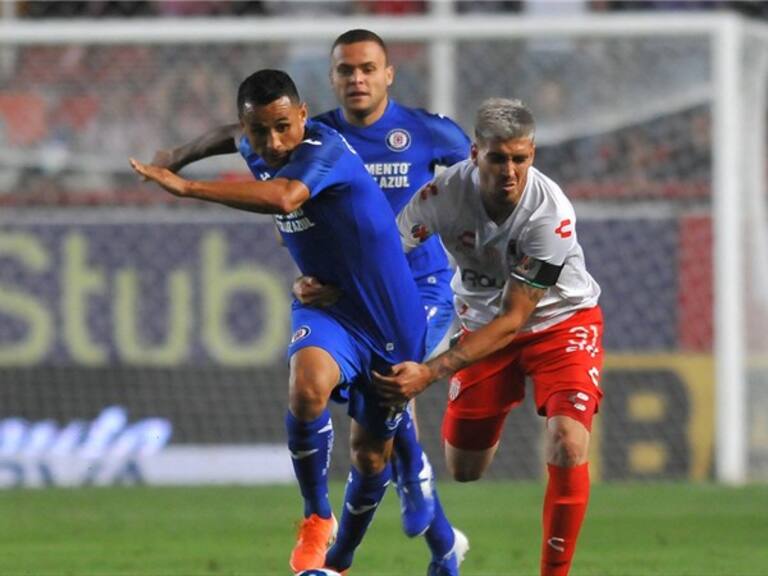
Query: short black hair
(264, 87)
(360, 35)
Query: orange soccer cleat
(316, 534)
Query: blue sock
(363, 495)
(407, 452)
(310, 444)
(439, 535)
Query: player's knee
(462, 471)
(306, 403)
(465, 474)
(368, 462)
(468, 465)
(313, 376)
(569, 444)
(308, 395)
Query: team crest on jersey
(398, 140)
(301, 333)
(454, 389)
(419, 232)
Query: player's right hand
(174, 184)
(311, 292)
(405, 381)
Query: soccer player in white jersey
(528, 307)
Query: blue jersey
(401, 150)
(345, 235)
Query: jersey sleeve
(450, 143)
(319, 162)
(541, 251)
(418, 220)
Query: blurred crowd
(71, 115)
(213, 8)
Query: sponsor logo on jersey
(564, 230)
(475, 279)
(294, 222)
(398, 140)
(301, 333)
(390, 174)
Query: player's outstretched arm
(409, 379)
(276, 196)
(220, 140)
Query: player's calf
(414, 480)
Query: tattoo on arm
(221, 140)
(448, 362)
(532, 294)
(520, 299)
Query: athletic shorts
(437, 297)
(564, 362)
(355, 358)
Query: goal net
(149, 334)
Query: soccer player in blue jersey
(400, 147)
(339, 228)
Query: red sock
(564, 506)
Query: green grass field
(670, 529)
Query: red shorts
(564, 362)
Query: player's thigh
(479, 399)
(322, 356)
(565, 363)
(468, 465)
(313, 376)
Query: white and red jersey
(536, 244)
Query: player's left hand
(407, 379)
(173, 183)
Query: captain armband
(535, 272)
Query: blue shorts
(356, 359)
(436, 294)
